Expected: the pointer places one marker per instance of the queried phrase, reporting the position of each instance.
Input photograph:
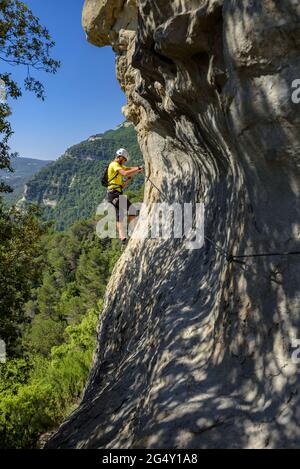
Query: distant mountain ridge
(70, 188)
(24, 169)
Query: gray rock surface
(194, 351)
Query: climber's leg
(122, 217)
(113, 197)
(122, 205)
(121, 230)
(132, 219)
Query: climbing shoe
(124, 243)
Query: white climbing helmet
(124, 153)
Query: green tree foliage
(20, 266)
(23, 42)
(40, 388)
(51, 389)
(76, 269)
(65, 281)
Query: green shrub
(53, 388)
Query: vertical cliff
(195, 351)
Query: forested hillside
(54, 334)
(69, 189)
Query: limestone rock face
(195, 351)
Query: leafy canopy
(20, 265)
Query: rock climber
(116, 184)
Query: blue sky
(84, 97)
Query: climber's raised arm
(130, 171)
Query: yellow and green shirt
(117, 182)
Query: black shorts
(121, 205)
